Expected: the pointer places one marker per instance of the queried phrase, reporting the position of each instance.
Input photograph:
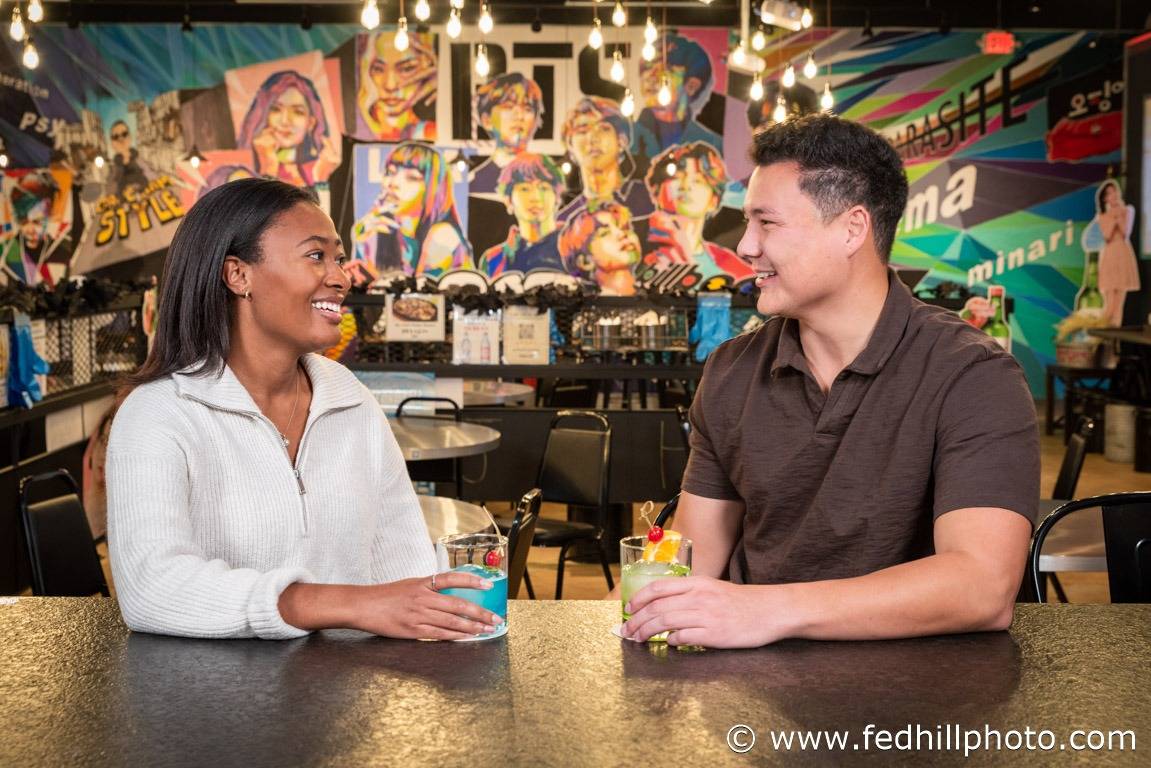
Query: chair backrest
(447, 403)
(574, 468)
(684, 427)
(521, 534)
(1073, 459)
(60, 547)
(1127, 538)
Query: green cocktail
(643, 561)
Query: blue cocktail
(483, 555)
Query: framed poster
(415, 317)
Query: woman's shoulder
(147, 411)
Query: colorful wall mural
(536, 166)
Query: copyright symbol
(740, 739)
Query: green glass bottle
(1089, 301)
(997, 328)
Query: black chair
(574, 471)
(521, 533)
(1127, 538)
(60, 546)
(436, 470)
(684, 428)
(1068, 479)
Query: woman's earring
(248, 294)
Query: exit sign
(997, 41)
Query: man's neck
(533, 231)
(601, 183)
(839, 328)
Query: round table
(486, 392)
(425, 439)
(449, 516)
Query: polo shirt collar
(888, 332)
(330, 389)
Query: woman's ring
(433, 582)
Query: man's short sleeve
(705, 475)
(987, 441)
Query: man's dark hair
(841, 164)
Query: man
(689, 76)
(597, 136)
(531, 186)
(864, 465)
(127, 168)
(684, 201)
(397, 89)
(509, 109)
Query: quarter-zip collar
(332, 388)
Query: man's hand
(700, 610)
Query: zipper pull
(299, 481)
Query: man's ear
(857, 226)
(236, 275)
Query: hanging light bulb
(595, 37)
(664, 95)
(455, 26)
(827, 101)
(402, 40)
(739, 56)
(17, 28)
(617, 72)
(370, 15)
(31, 58)
(3, 160)
(650, 33)
(780, 112)
(457, 4)
(461, 165)
(194, 162)
(483, 66)
(627, 106)
(806, 19)
(647, 52)
(756, 92)
(35, 11)
(788, 76)
(758, 40)
(486, 23)
(670, 168)
(619, 15)
(423, 10)
(809, 69)
(566, 167)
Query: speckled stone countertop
(76, 688)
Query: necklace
(292, 416)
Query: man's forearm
(943, 593)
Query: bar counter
(77, 688)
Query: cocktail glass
(484, 555)
(642, 562)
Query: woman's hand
(413, 609)
(406, 609)
(264, 145)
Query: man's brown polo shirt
(931, 417)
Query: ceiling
(1121, 15)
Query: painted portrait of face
(689, 74)
(615, 244)
(695, 189)
(34, 225)
(533, 201)
(395, 84)
(508, 107)
(593, 142)
(290, 118)
(403, 190)
(120, 138)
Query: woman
(1118, 269)
(287, 132)
(397, 97)
(414, 226)
(254, 487)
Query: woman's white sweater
(209, 521)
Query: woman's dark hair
(195, 306)
(841, 164)
(1101, 193)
